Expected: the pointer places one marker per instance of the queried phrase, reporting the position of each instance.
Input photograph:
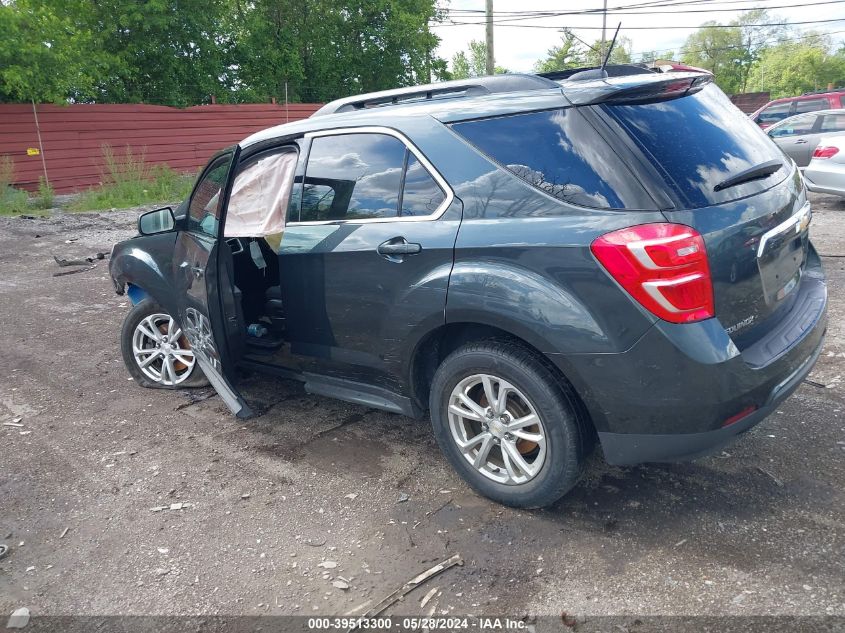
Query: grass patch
(129, 181)
(12, 201)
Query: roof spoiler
(633, 89)
(476, 86)
(611, 70)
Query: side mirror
(157, 221)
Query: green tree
(791, 68)
(621, 53)
(45, 56)
(323, 49)
(568, 54)
(755, 35)
(183, 52)
(473, 64)
(719, 50)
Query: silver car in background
(799, 135)
(826, 171)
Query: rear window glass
(697, 142)
(774, 113)
(559, 152)
(833, 123)
(810, 105)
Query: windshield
(699, 141)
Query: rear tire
(524, 449)
(154, 358)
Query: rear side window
(833, 123)
(775, 113)
(810, 105)
(559, 152)
(697, 142)
(421, 195)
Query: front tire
(156, 352)
(507, 424)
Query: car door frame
(207, 333)
(410, 146)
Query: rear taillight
(825, 152)
(663, 266)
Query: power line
(624, 8)
(639, 28)
(741, 46)
(651, 11)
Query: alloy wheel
(497, 429)
(162, 351)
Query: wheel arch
(437, 344)
(141, 268)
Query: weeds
(11, 200)
(46, 195)
(129, 181)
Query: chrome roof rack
(473, 87)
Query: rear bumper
(669, 397)
(633, 448)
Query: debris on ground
(403, 497)
(327, 564)
(74, 271)
(777, 481)
(15, 424)
(413, 583)
(427, 597)
(79, 262)
(19, 618)
(4, 549)
(568, 620)
(340, 584)
(351, 496)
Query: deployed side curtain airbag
(260, 196)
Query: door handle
(198, 271)
(398, 246)
(801, 141)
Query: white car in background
(826, 171)
(799, 135)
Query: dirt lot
(759, 529)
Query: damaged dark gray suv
(538, 263)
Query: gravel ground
(278, 508)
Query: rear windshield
(698, 141)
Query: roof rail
(473, 87)
(821, 92)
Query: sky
(518, 47)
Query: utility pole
(603, 27)
(491, 58)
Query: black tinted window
(697, 142)
(559, 152)
(421, 195)
(352, 177)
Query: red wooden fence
(73, 136)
